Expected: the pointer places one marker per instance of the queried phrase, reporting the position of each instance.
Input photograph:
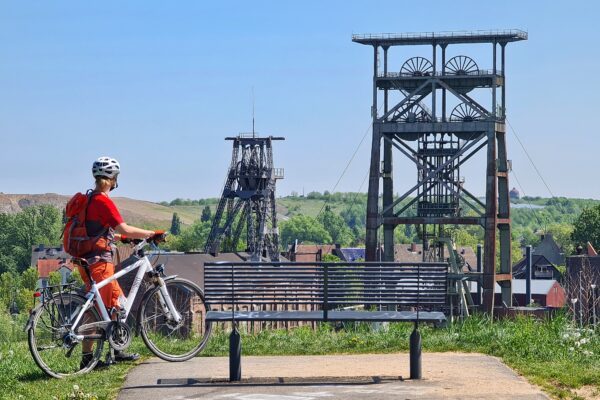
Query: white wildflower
(76, 388)
(571, 349)
(11, 353)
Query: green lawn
(550, 353)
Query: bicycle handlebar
(159, 236)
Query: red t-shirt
(101, 214)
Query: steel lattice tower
(248, 200)
(439, 137)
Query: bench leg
(415, 353)
(235, 355)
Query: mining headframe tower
(430, 115)
(247, 203)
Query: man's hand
(158, 237)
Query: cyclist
(104, 220)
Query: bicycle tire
(46, 337)
(159, 333)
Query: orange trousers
(100, 271)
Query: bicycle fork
(166, 303)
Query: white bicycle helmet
(106, 167)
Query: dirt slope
(134, 211)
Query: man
(103, 220)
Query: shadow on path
(266, 381)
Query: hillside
(135, 212)
(532, 213)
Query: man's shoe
(122, 356)
(86, 359)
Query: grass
(20, 378)
(549, 352)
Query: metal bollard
(415, 353)
(235, 355)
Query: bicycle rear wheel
(167, 339)
(52, 346)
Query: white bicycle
(170, 319)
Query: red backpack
(76, 240)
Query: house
(541, 268)
(350, 254)
(544, 292)
(47, 253)
(550, 249)
(310, 252)
(413, 253)
(50, 259)
(44, 267)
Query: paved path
(366, 376)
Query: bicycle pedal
(119, 312)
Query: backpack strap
(90, 195)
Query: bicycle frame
(143, 266)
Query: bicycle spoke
(55, 350)
(170, 340)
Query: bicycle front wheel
(170, 340)
(51, 340)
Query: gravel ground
(365, 376)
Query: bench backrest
(326, 285)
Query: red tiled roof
(404, 253)
(309, 252)
(44, 267)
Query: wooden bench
(373, 292)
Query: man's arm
(132, 232)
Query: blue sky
(158, 85)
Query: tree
(335, 226)
(586, 227)
(328, 257)
(400, 236)
(175, 224)
(463, 238)
(29, 278)
(8, 287)
(192, 237)
(355, 215)
(304, 229)
(562, 235)
(206, 214)
(54, 278)
(19, 232)
(76, 278)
